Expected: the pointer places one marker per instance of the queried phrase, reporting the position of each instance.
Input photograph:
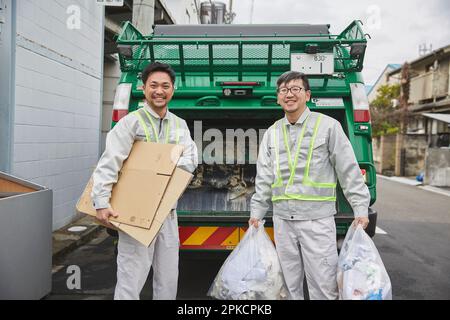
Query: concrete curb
(436, 190)
(404, 180)
(418, 184)
(65, 241)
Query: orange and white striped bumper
(213, 238)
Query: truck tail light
(363, 172)
(121, 101)
(361, 115)
(360, 102)
(118, 114)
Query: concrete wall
(384, 154)
(7, 62)
(437, 167)
(183, 11)
(58, 96)
(415, 153)
(376, 148)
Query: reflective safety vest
(142, 114)
(293, 182)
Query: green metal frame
(234, 55)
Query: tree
(385, 110)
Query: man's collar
(300, 120)
(153, 113)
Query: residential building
(427, 141)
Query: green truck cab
(226, 91)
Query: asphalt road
(416, 248)
(413, 240)
(97, 266)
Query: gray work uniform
(134, 259)
(303, 194)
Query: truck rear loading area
(226, 91)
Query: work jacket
(141, 125)
(298, 167)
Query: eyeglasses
(293, 90)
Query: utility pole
(404, 97)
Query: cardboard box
(178, 183)
(149, 185)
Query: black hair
(157, 66)
(293, 75)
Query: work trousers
(134, 261)
(308, 247)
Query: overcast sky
(397, 28)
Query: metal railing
(236, 55)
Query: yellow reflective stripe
(302, 197)
(292, 168)
(279, 180)
(297, 153)
(153, 125)
(167, 131)
(311, 145)
(310, 183)
(177, 139)
(286, 144)
(306, 180)
(144, 126)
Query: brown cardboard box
(178, 183)
(149, 184)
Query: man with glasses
(301, 157)
(154, 122)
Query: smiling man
(300, 158)
(155, 123)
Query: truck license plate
(319, 63)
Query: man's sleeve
(260, 202)
(119, 142)
(348, 172)
(189, 159)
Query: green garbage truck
(226, 91)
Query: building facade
(55, 88)
(426, 146)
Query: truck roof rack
(237, 49)
(245, 30)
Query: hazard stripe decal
(185, 232)
(269, 231)
(213, 237)
(219, 236)
(200, 235)
(233, 238)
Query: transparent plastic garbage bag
(252, 271)
(361, 273)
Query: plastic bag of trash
(252, 271)
(361, 273)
